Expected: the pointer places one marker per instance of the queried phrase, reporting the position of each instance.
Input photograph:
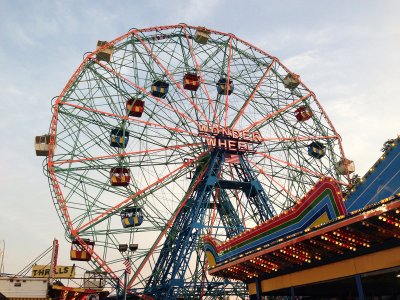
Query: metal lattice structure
(128, 133)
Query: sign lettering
(229, 139)
(43, 271)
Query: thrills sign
(43, 271)
(229, 139)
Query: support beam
(258, 287)
(360, 289)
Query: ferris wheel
(168, 133)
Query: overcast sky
(347, 52)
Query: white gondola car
(104, 54)
(95, 280)
(291, 81)
(42, 144)
(202, 35)
(341, 166)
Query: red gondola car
(303, 113)
(120, 176)
(79, 253)
(191, 82)
(135, 107)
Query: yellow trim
(252, 288)
(321, 219)
(210, 259)
(69, 289)
(362, 264)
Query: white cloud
(302, 61)
(22, 37)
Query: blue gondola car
(316, 150)
(222, 86)
(159, 88)
(119, 138)
(131, 216)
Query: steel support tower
(168, 278)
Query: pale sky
(347, 52)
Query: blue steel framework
(168, 278)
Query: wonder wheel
(168, 133)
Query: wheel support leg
(359, 287)
(258, 289)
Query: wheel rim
(165, 140)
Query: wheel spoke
(122, 203)
(242, 110)
(172, 78)
(199, 71)
(260, 122)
